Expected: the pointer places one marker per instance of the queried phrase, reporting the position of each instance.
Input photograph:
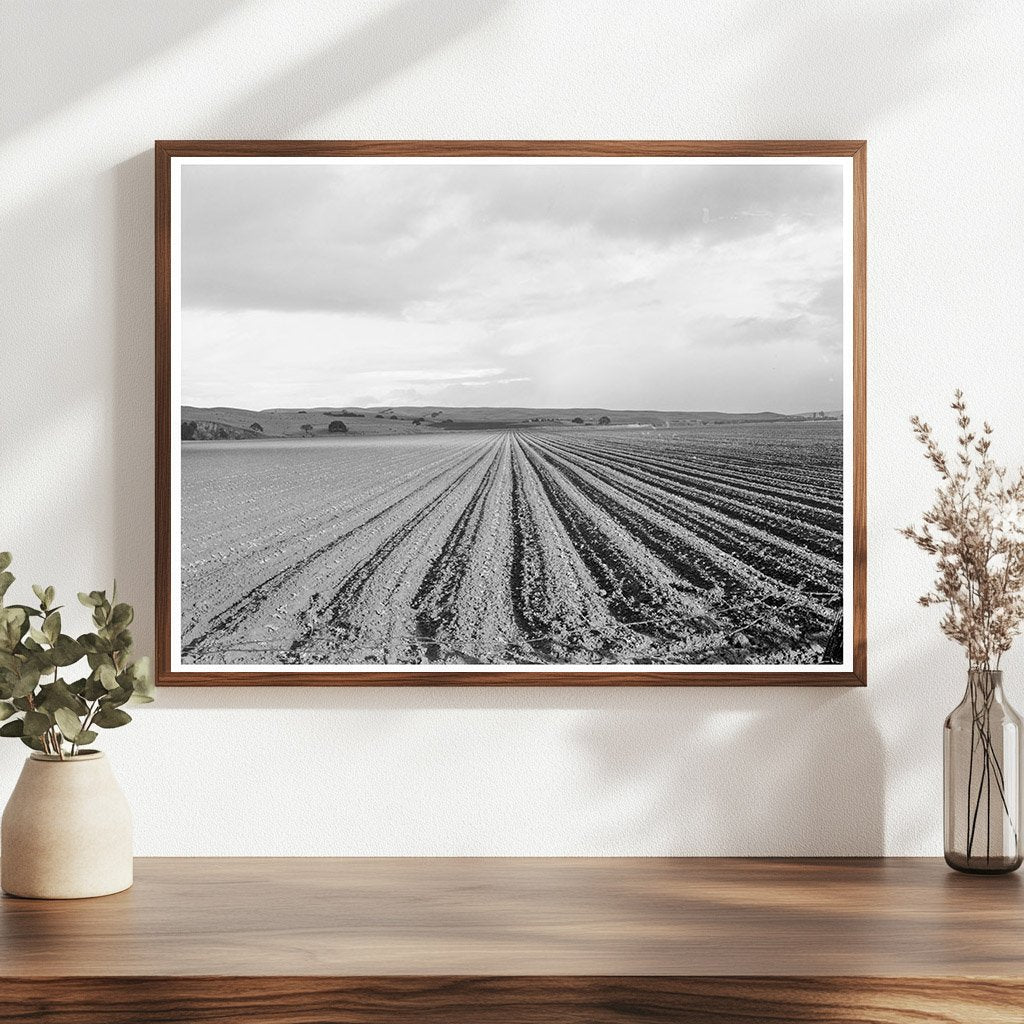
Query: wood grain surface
(305, 941)
(518, 1000)
(166, 434)
(506, 916)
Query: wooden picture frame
(172, 671)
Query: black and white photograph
(518, 414)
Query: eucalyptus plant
(37, 704)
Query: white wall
(86, 86)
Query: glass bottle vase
(981, 770)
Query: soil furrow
(549, 546)
(247, 608)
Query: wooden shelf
(283, 941)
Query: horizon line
(530, 408)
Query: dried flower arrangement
(976, 531)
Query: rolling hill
(413, 419)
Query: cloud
(662, 203)
(631, 286)
(750, 330)
(828, 300)
(424, 240)
(747, 331)
(414, 376)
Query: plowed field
(702, 545)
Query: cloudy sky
(636, 286)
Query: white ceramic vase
(66, 831)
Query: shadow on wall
(393, 40)
(49, 59)
(850, 43)
(684, 772)
(740, 771)
(133, 384)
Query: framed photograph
(510, 413)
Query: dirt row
(507, 547)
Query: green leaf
(15, 615)
(13, 624)
(66, 651)
(141, 669)
(115, 698)
(6, 710)
(107, 676)
(59, 695)
(5, 560)
(27, 682)
(122, 616)
(94, 689)
(40, 593)
(13, 728)
(142, 682)
(89, 600)
(28, 610)
(86, 736)
(6, 579)
(87, 641)
(51, 626)
(50, 594)
(95, 644)
(69, 723)
(30, 741)
(107, 718)
(36, 723)
(38, 635)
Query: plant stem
(982, 698)
(970, 767)
(988, 812)
(58, 739)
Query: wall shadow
(742, 772)
(46, 71)
(694, 771)
(393, 40)
(133, 383)
(848, 44)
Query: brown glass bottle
(981, 764)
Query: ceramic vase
(66, 831)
